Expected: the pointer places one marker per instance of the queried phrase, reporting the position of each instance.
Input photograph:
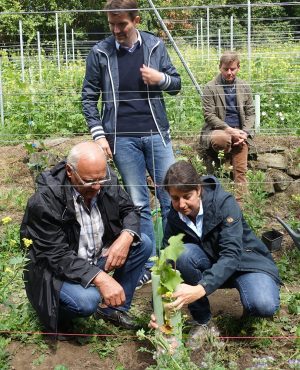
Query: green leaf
(15, 260)
(175, 248)
(170, 278)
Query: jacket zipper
(114, 96)
(149, 100)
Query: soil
(15, 174)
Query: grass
(39, 109)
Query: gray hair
(80, 150)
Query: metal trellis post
(57, 41)
(1, 95)
(21, 51)
(249, 40)
(176, 48)
(231, 33)
(39, 55)
(66, 44)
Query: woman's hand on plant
(153, 324)
(186, 294)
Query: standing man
(131, 69)
(229, 117)
(83, 225)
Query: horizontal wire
(263, 132)
(288, 337)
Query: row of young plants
(53, 105)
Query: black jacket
(226, 238)
(50, 222)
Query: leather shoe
(117, 318)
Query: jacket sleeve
(230, 247)
(210, 102)
(172, 84)
(51, 244)
(91, 92)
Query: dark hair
(118, 6)
(229, 57)
(183, 176)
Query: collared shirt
(197, 227)
(131, 49)
(92, 228)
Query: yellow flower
(27, 242)
(6, 220)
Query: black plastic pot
(272, 239)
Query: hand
(151, 76)
(186, 294)
(239, 137)
(152, 324)
(117, 253)
(111, 291)
(103, 143)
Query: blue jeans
(77, 301)
(259, 293)
(134, 156)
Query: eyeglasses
(93, 182)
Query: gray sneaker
(201, 333)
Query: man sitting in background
(229, 118)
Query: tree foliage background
(87, 24)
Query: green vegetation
(34, 109)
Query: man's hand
(117, 253)
(186, 294)
(103, 143)
(239, 137)
(151, 76)
(110, 290)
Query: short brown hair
(229, 57)
(118, 6)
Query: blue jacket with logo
(102, 78)
(226, 238)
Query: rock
(294, 188)
(294, 170)
(268, 185)
(280, 179)
(272, 161)
(278, 149)
(55, 142)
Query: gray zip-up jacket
(102, 77)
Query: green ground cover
(53, 106)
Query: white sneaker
(201, 333)
(145, 279)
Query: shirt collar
(79, 198)
(224, 82)
(137, 43)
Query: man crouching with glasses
(83, 225)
